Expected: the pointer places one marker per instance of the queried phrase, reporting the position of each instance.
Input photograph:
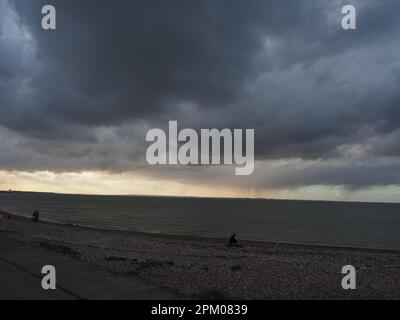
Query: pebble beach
(206, 268)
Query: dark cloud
(135, 59)
(83, 96)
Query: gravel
(207, 268)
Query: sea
(347, 224)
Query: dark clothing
(233, 242)
(35, 216)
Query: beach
(206, 268)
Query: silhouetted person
(35, 216)
(233, 242)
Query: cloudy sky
(77, 102)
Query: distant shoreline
(200, 197)
(209, 239)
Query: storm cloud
(324, 102)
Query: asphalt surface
(20, 277)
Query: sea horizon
(331, 223)
(198, 197)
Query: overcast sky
(76, 103)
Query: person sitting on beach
(4, 215)
(35, 216)
(233, 242)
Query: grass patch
(58, 248)
(141, 266)
(212, 294)
(169, 263)
(153, 264)
(113, 259)
(134, 272)
(236, 268)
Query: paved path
(20, 278)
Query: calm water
(333, 223)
